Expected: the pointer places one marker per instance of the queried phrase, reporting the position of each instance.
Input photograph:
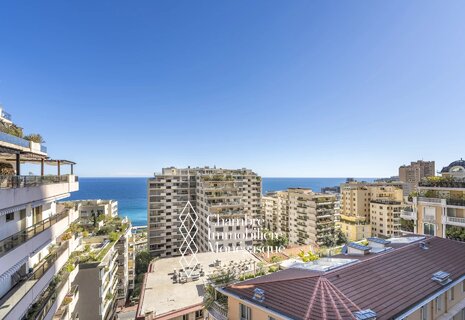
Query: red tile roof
(389, 283)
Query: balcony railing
(20, 289)
(430, 200)
(9, 182)
(456, 220)
(8, 138)
(456, 202)
(5, 115)
(23, 236)
(405, 214)
(218, 311)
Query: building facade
(416, 171)
(208, 194)
(438, 208)
(35, 247)
(368, 209)
(389, 286)
(305, 217)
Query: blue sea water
(131, 193)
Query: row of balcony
(21, 295)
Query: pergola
(22, 157)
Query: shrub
(35, 137)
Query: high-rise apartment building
(35, 246)
(412, 174)
(102, 257)
(304, 216)
(370, 209)
(439, 204)
(213, 194)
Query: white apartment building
(35, 276)
(103, 258)
(213, 193)
(304, 216)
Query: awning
(48, 200)
(12, 209)
(7, 275)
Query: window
(463, 286)
(424, 312)
(245, 312)
(271, 318)
(428, 229)
(199, 314)
(451, 294)
(438, 304)
(185, 317)
(10, 216)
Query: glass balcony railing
(8, 138)
(23, 236)
(5, 115)
(10, 182)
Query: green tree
(143, 260)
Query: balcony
(22, 295)
(17, 143)
(217, 311)
(408, 215)
(455, 221)
(21, 244)
(430, 200)
(19, 190)
(456, 202)
(14, 241)
(5, 115)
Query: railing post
(18, 165)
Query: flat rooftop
(162, 295)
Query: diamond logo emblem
(188, 230)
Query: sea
(131, 193)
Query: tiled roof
(389, 283)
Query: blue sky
(287, 88)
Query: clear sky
(287, 88)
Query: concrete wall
(18, 196)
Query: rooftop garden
(97, 241)
(444, 182)
(16, 131)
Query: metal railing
(456, 202)
(430, 200)
(48, 298)
(23, 287)
(9, 182)
(456, 220)
(23, 236)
